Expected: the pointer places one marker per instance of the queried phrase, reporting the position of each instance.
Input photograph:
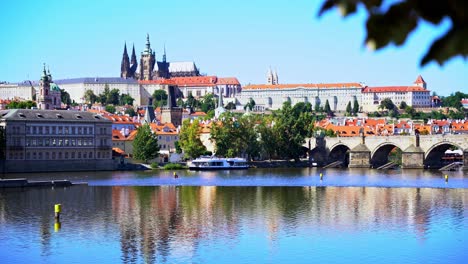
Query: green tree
(130, 111)
(90, 97)
(192, 103)
(65, 97)
(317, 107)
(145, 144)
(348, 108)
(454, 100)
(302, 107)
(231, 106)
(126, 99)
(177, 147)
(388, 104)
(291, 131)
(110, 108)
(21, 104)
(267, 136)
(190, 139)
(250, 104)
(160, 98)
(392, 23)
(327, 108)
(403, 105)
(355, 106)
(208, 103)
(113, 97)
(102, 97)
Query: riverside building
(55, 140)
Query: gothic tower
(125, 65)
(148, 58)
(44, 100)
(270, 78)
(133, 63)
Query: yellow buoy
(446, 178)
(58, 210)
(57, 226)
(321, 176)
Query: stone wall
(12, 166)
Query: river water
(253, 216)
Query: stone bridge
(425, 151)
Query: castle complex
(151, 69)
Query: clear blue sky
(84, 38)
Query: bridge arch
(433, 157)
(339, 152)
(380, 155)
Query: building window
(90, 155)
(53, 155)
(79, 155)
(73, 155)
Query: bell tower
(44, 99)
(147, 61)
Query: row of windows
(60, 142)
(168, 138)
(60, 130)
(58, 155)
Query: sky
(243, 39)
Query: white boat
(214, 163)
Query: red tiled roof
(228, 80)
(419, 80)
(388, 89)
(304, 85)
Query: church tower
(270, 77)
(147, 61)
(125, 65)
(133, 63)
(44, 99)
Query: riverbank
(23, 182)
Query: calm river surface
(253, 216)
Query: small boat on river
(214, 163)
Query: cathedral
(151, 69)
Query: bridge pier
(359, 157)
(412, 158)
(465, 160)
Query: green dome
(54, 87)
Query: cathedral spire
(125, 65)
(133, 58)
(148, 45)
(164, 55)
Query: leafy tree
(327, 108)
(110, 108)
(267, 136)
(113, 97)
(392, 23)
(403, 105)
(317, 107)
(21, 104)
(160, 98)
(65, 97)
(291, 131)
(90, 97)
(177, 147)
(145, 144)
(126, 99)
(348, 108)
(388, 104)
(180, 103)
(130, 111)
(454, 100)
(355, 106)
(250, 104)
(231, 106)
(190, 139)
(102, 97)
(208, 103)
(302, 107)
(192, 103)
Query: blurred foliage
(392, 23)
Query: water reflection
(200, 224)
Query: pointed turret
(164, 55)
(125, 65)
(275, 77)
(420, 82)
(148, 44)
(133, 63)
(269, 76)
